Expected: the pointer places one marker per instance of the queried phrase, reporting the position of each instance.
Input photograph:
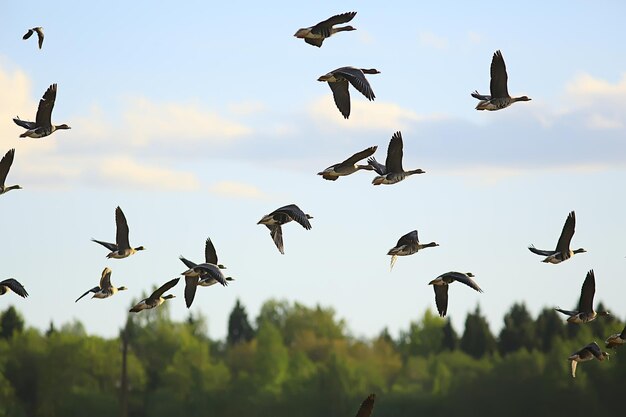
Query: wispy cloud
(236, 189)
(431, 40)
(365, 115)
(150, 121)
(124, 172)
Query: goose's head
(138, 248)
(122, 288)
(370, 71)
(63, 126)
(523, 98)
(580, 250)
(265, 219)
(168, 296)
(301, 33)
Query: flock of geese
(210, 272)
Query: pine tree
(10, 322)
(477, 339)
(518, 331)
(239, 328)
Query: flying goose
(42, 126)
(338, 82)
(441, 283)
(156, 299)
(499, 98)
(5, 165)
(11, 284)
(562, 251)
(585, 312)
(616, 339)
(205, 274)
(592, 350)
(365, 410)
(392, 172)
(105, 289)
(349, 166)
(315, 35)
(408, 245)
(121, 248)
(283, 215)
(39, 31)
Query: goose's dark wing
(121, 236)
(566, 235)
(394, 154)
(587, 292)
(499, 77)
(28, 34)
(46, 104)
(105, 279)
(187, 262)
(359, 156)
(594, 349)
(276, 232)
(479, 96)
(314, 41)
(93, 290)
(323, 28)
(39, 36)
(465, 280)
(366, 406)
(110, 246)
(15, 286)
(540, 251)
(296, 214)
(211, 271)
(358, 80)
(24, 123)
(341, 95)
(5, 165)
(378, 167)
(566, 312)
(159, 292)
(191, 284)
(441, 299)
(408, 239)
(209, 252)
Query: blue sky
(199, 119)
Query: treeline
(294, 360)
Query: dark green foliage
(301, 361)
(10, 323)
(239, 329)
(477, 339)
(518, 331)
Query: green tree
(477, 339)
(271, 359)
(10, 323)
(424, 337)
(239, 329)
(450, 339)
(518, 331)
(548, 327)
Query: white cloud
(246, 108)
(431, 40)
(601, 122)
(237, 190)
(125, 172)
(150, 121)
(366, 115)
